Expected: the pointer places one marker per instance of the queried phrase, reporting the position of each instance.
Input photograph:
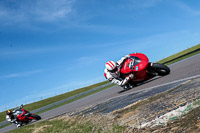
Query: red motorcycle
(143, 70)
(26, 116)
(21, 116)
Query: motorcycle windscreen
(127, 67)
(141, 64)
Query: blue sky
(49, 47)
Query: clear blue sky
(48, 47)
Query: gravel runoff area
(157, 106)
(154, 111)
(125, 100)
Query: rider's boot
(19, 125)
(126, 87)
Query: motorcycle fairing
(136, 64)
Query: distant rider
(12, 118)
(16, 115)
(112, 73)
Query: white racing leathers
(115, 77)
(14, 118)
(119, 62)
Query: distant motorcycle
(143, 70)
(21, 116)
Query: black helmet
(9, 112)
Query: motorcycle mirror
(21, 106)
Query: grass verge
(79, 124)
(50, 100)
(180, 56)
(78, 98)
(5, 125)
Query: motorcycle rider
(12, 118)
(16, 115)
(112, 73)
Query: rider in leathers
(112, 73)
(16, 115)
(12, 118)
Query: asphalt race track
(180, 71)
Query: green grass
(78, 98)
(72, 125)
(5, 125)
(69, 101)
(50, 100)
(180, 54)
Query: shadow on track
(138, 84)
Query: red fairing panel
(144, 61)
(21, 117)
(126, 69)
(139, 69)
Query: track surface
(186, 68)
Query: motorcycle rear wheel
(36, 117)
(160, 69)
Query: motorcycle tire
(36, 117)
(161, 69)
